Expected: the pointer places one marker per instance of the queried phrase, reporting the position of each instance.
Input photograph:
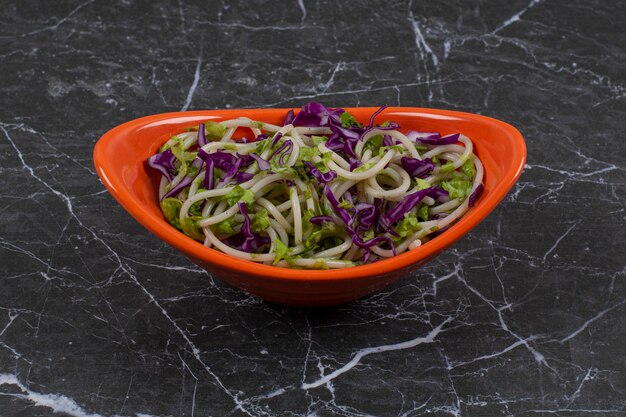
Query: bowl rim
(198, 251)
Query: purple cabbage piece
(230, 173)
(366, 214)
(375, 241)
(321, 177)
(346, 133)
(316, 115)
(201, 135)
(390, 126)
(376, 113)
(334, 142)
(431, 139)
(240, 241)
(209, 175)
(262, 163)
(415, 136)
(222, 160)
(246, 160)
(262, 136)
(348, 148)
(380, 205)
(230, 164)
(164, 163)
(284, 149)
(341, 212)
(349, 195)
(243, 177)
(354, 163)
(372, 242)
(246, 240)
(284, 157)
(318, 220)
(245, 228)
(275, 139)
(202, 154)
(475, 195)
(279, 149)
(342, 140)
(348, 220)
(439, 194)
(186, 181)
(406, 205)
(417, 168)
(289, 118)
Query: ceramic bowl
(120, 160)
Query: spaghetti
(321, 191)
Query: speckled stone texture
(526, 316)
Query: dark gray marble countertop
(99, 318)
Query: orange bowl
(120, 156)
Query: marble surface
(524, 317)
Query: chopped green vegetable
(262, 145)
(167, 145)
(192, 170)
(318, 139)
(327, 229)
(248, 198)
(369, 235)
(373, 144)
(307, 153)
(195, 208)
(189, 227)
(447, 167)
(282, 169)
(321, 167)
(365, 167)
(348, 120)
(171, 210)
(225, 227)
(306, 220)
(383, 149)
(346, 204)
(183, 155)
(238, 194)
(458, 175)
(422, 212)
(261, 221)
(468, 169)
(407, 226)
(214, 131)
(457, 188)
(422, 184)
(280, 251)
